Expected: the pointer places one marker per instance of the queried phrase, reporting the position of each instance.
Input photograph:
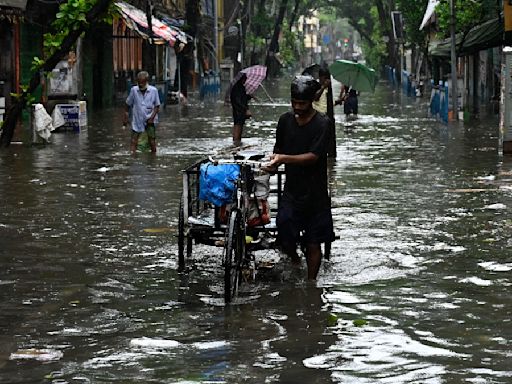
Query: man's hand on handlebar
(273, 164)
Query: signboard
(75, 115)
(63, 80)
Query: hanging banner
(429, 12)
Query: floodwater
(417, 289)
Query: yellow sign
(507, 11)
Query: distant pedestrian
(144, 103)
(348, 97)
(323, 102)
(240, 105)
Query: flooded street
(416, 290)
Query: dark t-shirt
(306, 185)
(239, 100)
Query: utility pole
(454, 62)
(216, 34)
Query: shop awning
(163, 33)
(483, 36)
(12, 10)
(20, 4)
(429, 12)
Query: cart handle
(258, 164)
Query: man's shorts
(316, 226)
(239, 119)
(150, 130)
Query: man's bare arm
(155, 111)
(302, 159)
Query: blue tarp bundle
(217, 183)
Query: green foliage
(257, 42)
(327, 15)
(358, 14)
(412, 13)
(468, 14)
(25, 97)
(262, 24)
(288, 48)
(37, 63)
(376, 51)
(71, 16)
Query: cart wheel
(234, 248)
(182, 237)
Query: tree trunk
(14, 112)
(193, 17)
(294, 14)
(271, 61)
(245, 22)
(392, 47)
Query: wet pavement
(416, 290)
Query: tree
(467, 15)
(72, 20)
(412, 12)
(271, 62)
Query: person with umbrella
(301, 145)
(356, 77)
(241, 90)
(240, 104)
(348, 97)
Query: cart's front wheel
(234, 248)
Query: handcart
(241, 226)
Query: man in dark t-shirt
(301, 144)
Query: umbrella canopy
(355, 75)
(255, 76)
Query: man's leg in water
(290, 249)
(237, 134)
(151, 131)
(313, 259)
(133, 142)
